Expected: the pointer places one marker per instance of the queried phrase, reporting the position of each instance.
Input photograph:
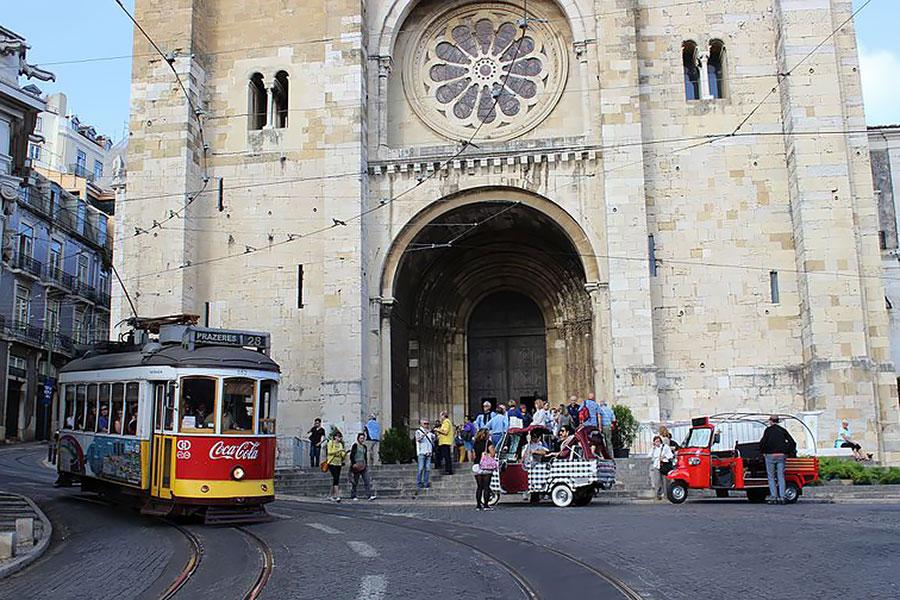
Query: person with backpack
(468, 438)
(424, 450)
(359, 467)
(775, 445)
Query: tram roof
(203, 357)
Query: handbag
(476, 469)
(665, 467)
(488, 463)
(324, 466)
(358, 467)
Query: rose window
(474, 69)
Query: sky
(98, 34)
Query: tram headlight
(237, 473)
(694, 461)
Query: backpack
(584, 414)
(467, 435)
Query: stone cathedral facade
(433, 203)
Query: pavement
(377, 550)
(12, 508)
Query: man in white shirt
(424, 449)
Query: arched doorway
(507, 351)
(454, 276)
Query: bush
(626, 427)
(396, 447)
(835, 468)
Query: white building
(65, 144)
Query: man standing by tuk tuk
(775, 445)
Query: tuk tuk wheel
(494, 498)
(677, 492)
(583, 497)
(791, 493)
(562, 495)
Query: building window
(79, 326)
(101, 328)
(651, 254)
(83, 271)
(280, 99)
(98, 169)
(103, 282)
(80, 217)
(714, 69)
(101, 227)
(34, 152)
(54, 203)
(257, 102)
(26, 241)
(691, 64)
(55, 258)
(774, 293)
(22, 309)
(51, 321)
(80, 163)
(39, 124)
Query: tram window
(117, 401)
(70, 407)
(198, 403)
(267, 400)
(80, 401)
(165, 407)
(132, 391)
(237, 405)
(91, 424)
(103, 404)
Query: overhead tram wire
(704, 140)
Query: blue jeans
(315, 456)
(775, 468)
(423, 471)
(495, 439)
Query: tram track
(529, 590)
(190, 567)
(268, 563)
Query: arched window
(256, 106)
(691, 63)
(280, 99)
(715, 70)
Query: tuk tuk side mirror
(717, 437)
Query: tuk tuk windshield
(511, 448)
(698, 438)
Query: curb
(19, 563)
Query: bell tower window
(257, 102)
(280, 99)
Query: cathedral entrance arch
(488, 299)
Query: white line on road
(372, 587)
(363, 549)
(325, 528)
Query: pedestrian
(845, 440)
(498, 425)
(424, 450)
(468, 437)
(484, 467)
(373, 439)
(541, 417)
(359, 467)
(607, 423)
(573, 409)
(515, 412)
(554, 421)
(565, 419)
(484, 416)
(334, 457)
(459, 450)
(776, 444)
(666, 438)
(445, 442)
(660, 465)
(316, 434)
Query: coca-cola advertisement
(213, 458)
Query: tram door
(163, 443)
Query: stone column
(601, 340)
(385, 63)
(269, 84)
(386, 416)
(704, 77)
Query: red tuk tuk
(741, 468)
(574, 476)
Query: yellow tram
(179, 417)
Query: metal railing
(292, 452)
(59, 277)
(26, 263)
(730, 433)
(79, 170)
(36, 336)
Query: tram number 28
(183, 449)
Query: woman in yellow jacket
(334, 456)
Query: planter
(621, 452)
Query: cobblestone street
(379, 550)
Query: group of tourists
(362, 454)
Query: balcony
(26, 264)
(59, 278)
(79, 170)
(22, 332)
(58, 342)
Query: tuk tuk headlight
(237, 473)
(694, 460)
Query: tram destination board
(224, 337)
